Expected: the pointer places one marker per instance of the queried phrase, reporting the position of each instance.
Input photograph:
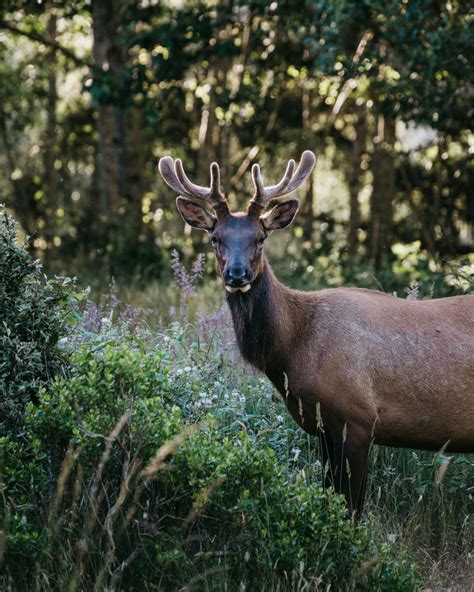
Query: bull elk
(354, 366)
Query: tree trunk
(23, 203)
(203, 145)
(307, 214)
(50, 143)
(353, 181)
(383, 192)
(119, 176)
(307, 211)
(224, 155)
(107, 59)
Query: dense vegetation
(156, 460)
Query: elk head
(237, 237)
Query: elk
(354, 366)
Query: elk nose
(236, 276)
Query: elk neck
(263, 325)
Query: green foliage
(35, 315)
(110, 486)
(105, 384)
(232, 498)
(233, 81)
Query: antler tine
(215, 187)
(278, 189)
(304, 170)
(191, 188)
(174, 175)
(264, 194)
(167, 170)
(258, 183)
(290, 181)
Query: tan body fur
(401, 369)
(358, 367)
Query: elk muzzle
(237, 276)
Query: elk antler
(174, 176)
(290, 181)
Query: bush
(112, 487)
(34, 315)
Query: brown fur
(364, 366)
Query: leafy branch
(45, 41)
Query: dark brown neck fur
(263, 325)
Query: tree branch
(349, 84)
(47, 42)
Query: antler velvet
(290, 181)
(173, 174)
(175, 177)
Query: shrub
(111, 486)
(35, 313)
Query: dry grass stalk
(441, 472)
(130, 469)
(157, 462)
(95, 500)
(202, 500)
(66, 469)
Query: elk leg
(345, 459)
(357, 466)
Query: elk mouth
(234, 289)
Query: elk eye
(214, 240)
(260, 239)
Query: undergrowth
(156, 460)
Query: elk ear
(280, 216)
(195, 215)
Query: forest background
(93, 94)
(96, 386)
